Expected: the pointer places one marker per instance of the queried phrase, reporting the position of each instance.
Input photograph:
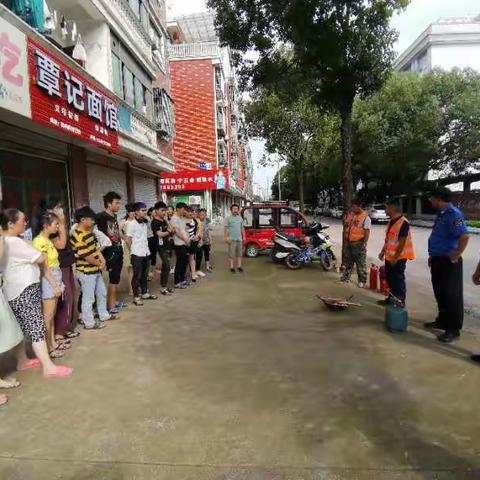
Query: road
(417, 272)
(249, 377)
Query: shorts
(193, 248)
(114, 267)
(235, 248)
(47, 289)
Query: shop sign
(62, 98)
(14, 91)
(199, 180)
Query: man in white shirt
(137, 241)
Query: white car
(377, 213)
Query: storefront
(195, 187)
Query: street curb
(428, 224)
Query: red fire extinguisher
(383, 280)
(373, 277)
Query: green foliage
(473, 223)
(338, 49)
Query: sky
(410, 24)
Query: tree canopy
(338, 49)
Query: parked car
(377, 213)
(263, 220)
(337, 212)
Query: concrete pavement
(249, 377)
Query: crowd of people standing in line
(42, 279)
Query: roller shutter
(145, 189)
(102, 180)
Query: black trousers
(447, 281)
(202, 251)
(181, 252)
(396, 279)
(165, 256)
(153, 247)
(140, 266)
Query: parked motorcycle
(317, 246)
(282, 246)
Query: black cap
(442, 193)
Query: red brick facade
(192, 83)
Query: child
(89, 266)
(205, 243)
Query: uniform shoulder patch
(458, 223)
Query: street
(250, 377)
(418, 274)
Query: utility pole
(279, 181)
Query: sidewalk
(249, 377)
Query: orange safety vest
(356, 232)
(392, 242)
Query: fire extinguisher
(373, 277)
(383, 280)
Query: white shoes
(361, 285)
(201, 274)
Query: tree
(288, 130)
(395, 134)
(339, 49)
(458, 138)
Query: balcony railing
(194, 50)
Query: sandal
(113, 316)
(8, 383)
(60, 371)
(138, 302)
(3, 400)
(32, 363)
(57, 354)
(96, 326)
(72, 334)
(149, 296)
(165, 292)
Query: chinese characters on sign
(195, 180)
(14, 94)
(62, 99)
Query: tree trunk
(347, 177)
(346, 135)
(301, 194)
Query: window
(288, 218)
(266, 218)
(135, 6)
(117, 76)
(139, 96)
(248, 218)
(128, 86)
(164, 112)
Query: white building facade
(446, 44)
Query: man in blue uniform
(446, 244)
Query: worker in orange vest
(357, 226)
(397, 251)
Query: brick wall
(193, 93)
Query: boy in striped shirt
(89, 266)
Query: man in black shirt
(107, 223)
(163, 231)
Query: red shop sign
(63, 99)
(189, 180)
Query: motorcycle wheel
(292, 263)
(327, 259)
(276, 260)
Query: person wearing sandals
(129, 218)
(137, 241)
(21, 274)
(89, 266)
(50, 225)
(10, 333)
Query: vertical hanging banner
(62, 98)
(14, 91)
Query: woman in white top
(21, 274)
(10, 333)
